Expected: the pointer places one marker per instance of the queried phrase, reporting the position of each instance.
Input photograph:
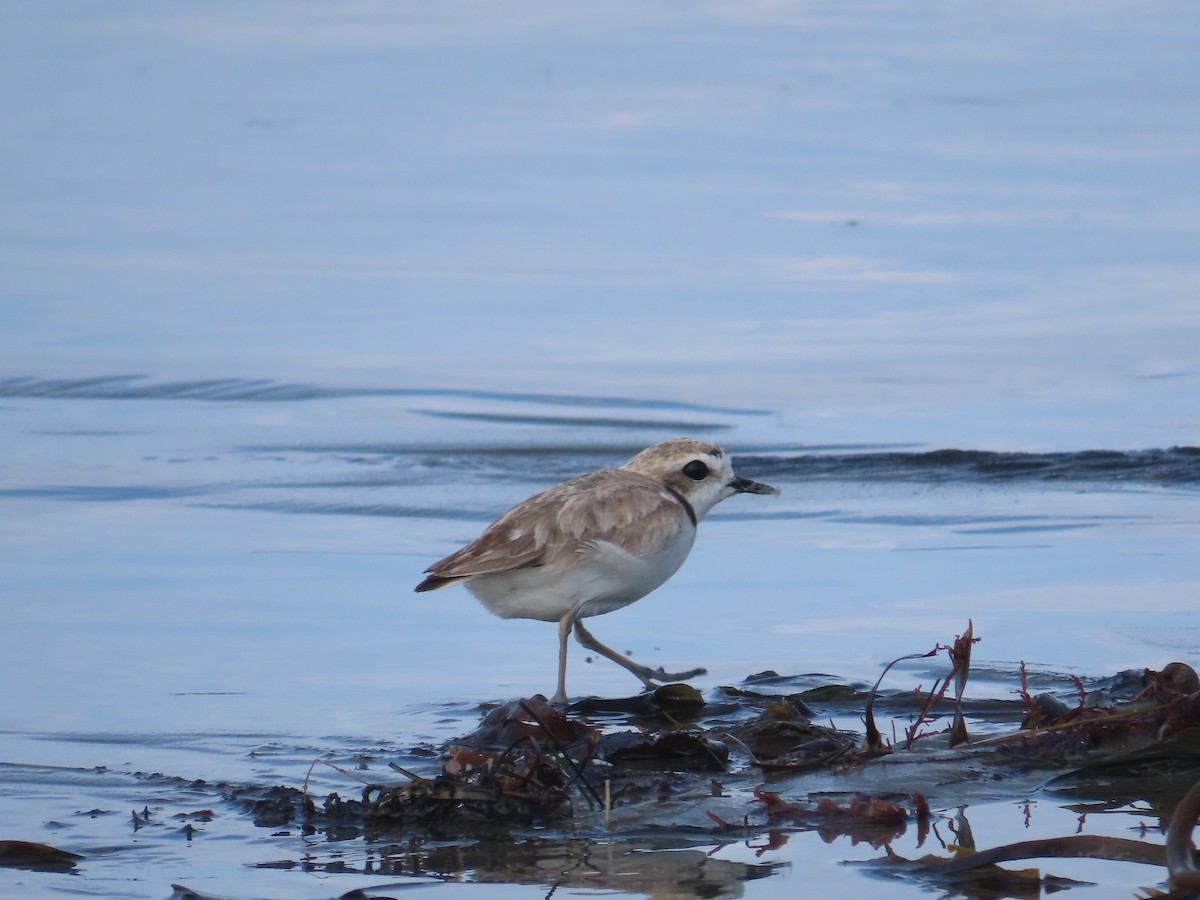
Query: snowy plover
(596, 543)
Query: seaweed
(751, 762)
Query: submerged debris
(531, 719)
(530, 761)
(672, 751)
(874, 820)
(521, 784)
(647, 762)
(1160, 724)
(782, 739)
(40, 857)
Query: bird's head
(700, 472)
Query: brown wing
(554, 527)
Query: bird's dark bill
(746, 486)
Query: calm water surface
(296, 301)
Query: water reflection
(655, 868)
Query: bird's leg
(564, 632)
(647, 675)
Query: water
(295, 301)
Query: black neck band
(683, 501)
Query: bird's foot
(650, 676)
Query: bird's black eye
(697, 470)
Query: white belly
(602, 580)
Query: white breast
(604, 577)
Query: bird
(596, 543)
